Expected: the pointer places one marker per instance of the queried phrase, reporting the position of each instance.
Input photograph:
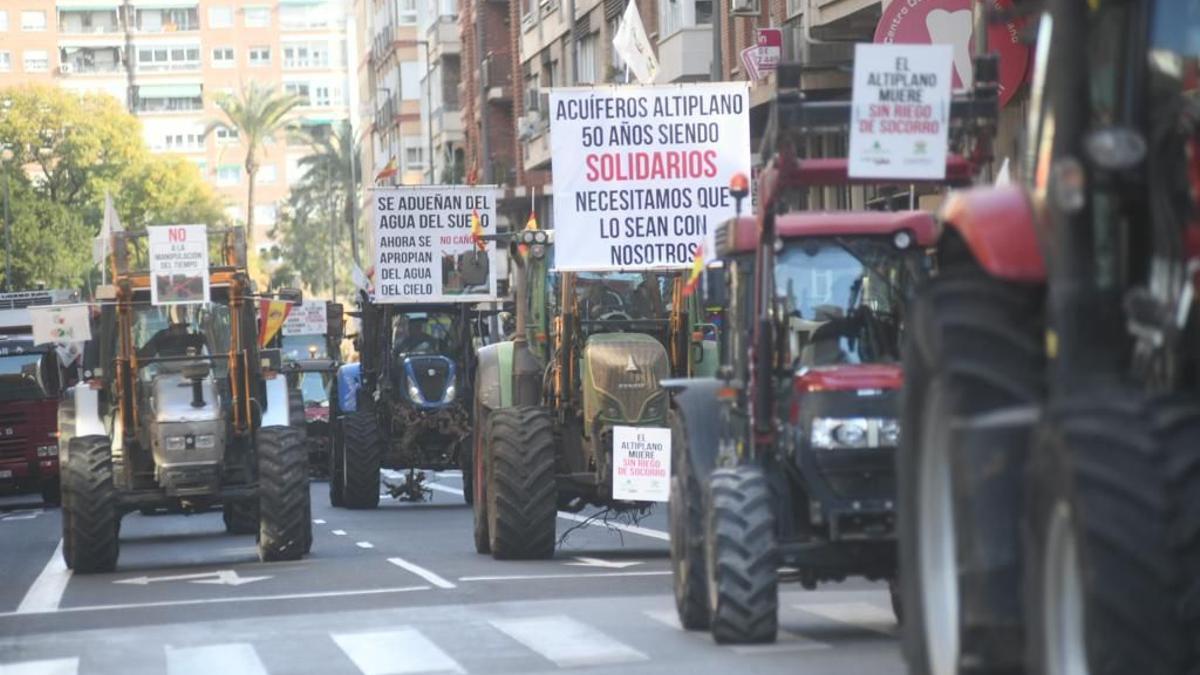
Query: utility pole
(131, 85)
(429, 104)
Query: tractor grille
(432, 374)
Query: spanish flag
(271, 315)
(388, 171)
(477, 230)
(697, 270)
(531, 224)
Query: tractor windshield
(622, 296)
(425, 333)
(21, 377)
(842, 299)
(314, 388)
(301, 347)
(169, 332)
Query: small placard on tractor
(641, 464)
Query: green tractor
(588, 355)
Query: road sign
(770, 49)
(218, 577)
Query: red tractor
(784, 465)
(1049, 463)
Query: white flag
(634, 47)
(111, 224)
(359, 277)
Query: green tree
(334, 170)
(258, 116)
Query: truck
(32, 377)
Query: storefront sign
(178, 264)
(641, 174)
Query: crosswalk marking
(861, 614)
(567, 642)
(786, 641)
(395, 652)
(47, 667)
(233, 657)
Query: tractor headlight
(833, 433)
(174, 442)
(47, 451)
(451, 391)
(414, 393)
(851, 433)
(889, 432)
(206, 441)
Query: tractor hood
(621, 375)
(850, 377)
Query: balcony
(443, 39)
(495, 74)
(685, 55)
(170, 98)
(89, 21)
(447, 126)
(179, 20)
(168, 59)
(90, 61)
(843, 19)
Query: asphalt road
(394, 590)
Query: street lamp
(6, 155)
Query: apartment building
(169, 59)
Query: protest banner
(900, 124)
(60, 324)
(424, 249)
(641, 174)
(178, 264)
(307, 318)
(642, 464)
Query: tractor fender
(494, 375)
(276, 414)
(79, 415)
(349, 382)
(694, 400)
(997, 224)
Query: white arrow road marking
(340, 533)
(428, 575)
(219, 577)
(364, 544)
(22, 515)
(48, 667)
(318, 521)
(568, 575)
(597, 562)
(567, 642)
(47, 590)
(237, 657)
(396, 652)
(861, 614)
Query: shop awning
(169, 91)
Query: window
(33, 20)
(36, 61)
(260, 56)
(167, 20)
(226, 135)
(220, 17)
(183, 142)
(3, 20)
(258, 17)
(307, 55)
(267, 173)
(169, 103)
(414, 153)
(319, 15)
(5, 62)
(326, 95)
(408, 13)
(298, 89)
(150, 59)
(587, 59)
(410, 80)
(229, 174)
(684, 14)
(223, 57)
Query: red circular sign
(950, 22)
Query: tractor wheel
(91, 514)
(337, 464)
(686, 516)
(284, 525)
(1111, 556)
(741, 557)
(296, 409)
(466, 463)
(363, 454)
(240, 516)
(52, 492)
(479, 480)
(973, 347)
(522, 493)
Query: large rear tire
(479, 482)
(686, 517)
(742, 557)
(522, 493)
(973, 347)
(337, 464)
(91, 513)
(285, 528)
(363, 452)
(240, 516)
(1108, 557)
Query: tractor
(784, 462)
(405, 405)
(179, 409)
(1049, 465)
(310, 360)
(588, 355)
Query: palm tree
(334, 167)
(257, 116)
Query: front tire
(686, 517)
(285, 528)
(742, 557)
(522, 493)
(363, 454)
(91, 513)
(479, 482)
(337, 464)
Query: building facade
(168, 60)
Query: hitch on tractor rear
(412, 489)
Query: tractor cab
(425, 344)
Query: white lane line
(340, 533)
(566, 575)
(786, 641)
(234, 657)
(318, 521)
(567, 642)
(364, 544)
(48, 667)
(218, 601)
(860, 614)
(631, 529)
(425, 574)
(47, 590)
(395, 652)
